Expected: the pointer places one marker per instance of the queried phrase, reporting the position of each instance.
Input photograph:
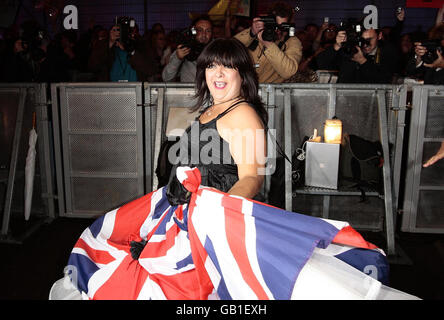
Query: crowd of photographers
(280, 53)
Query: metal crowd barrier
(18, 102)
(106, 137)
(424, 189)
(99, 146)
(364, 111)
(109, 136)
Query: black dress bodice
(201, 146)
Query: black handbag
(360, 163)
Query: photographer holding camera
(182, 63)
(276, 52)
(122, 57)
(428, 62)
(360, 56)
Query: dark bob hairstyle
(231, 53)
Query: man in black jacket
(432, 72)
(374, 62)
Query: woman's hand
(438, 156)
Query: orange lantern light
(333, 131)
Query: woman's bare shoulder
(244, 116)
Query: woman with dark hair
(230, 53)
(233, 161)
(190, 241)
(232, 113)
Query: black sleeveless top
(201, 146)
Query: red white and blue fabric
(218, 245)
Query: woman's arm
(438, 156)
(439, 16)
(317, 41)
(245, 134)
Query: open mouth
(220, 84)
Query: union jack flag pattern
(220, 246)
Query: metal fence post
(388, 191)
(13, 163)
(288, 143)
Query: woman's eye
(210, 66)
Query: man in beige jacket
(275, 61)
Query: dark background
(28, 270)
(174, 14)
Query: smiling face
(223, 82)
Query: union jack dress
(220, 246)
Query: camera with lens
(354, 32)
(127, 28)
(432, 46)
(271, 27)
(187, 38)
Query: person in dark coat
(374, 62)
(111, 61)
(426, 64)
